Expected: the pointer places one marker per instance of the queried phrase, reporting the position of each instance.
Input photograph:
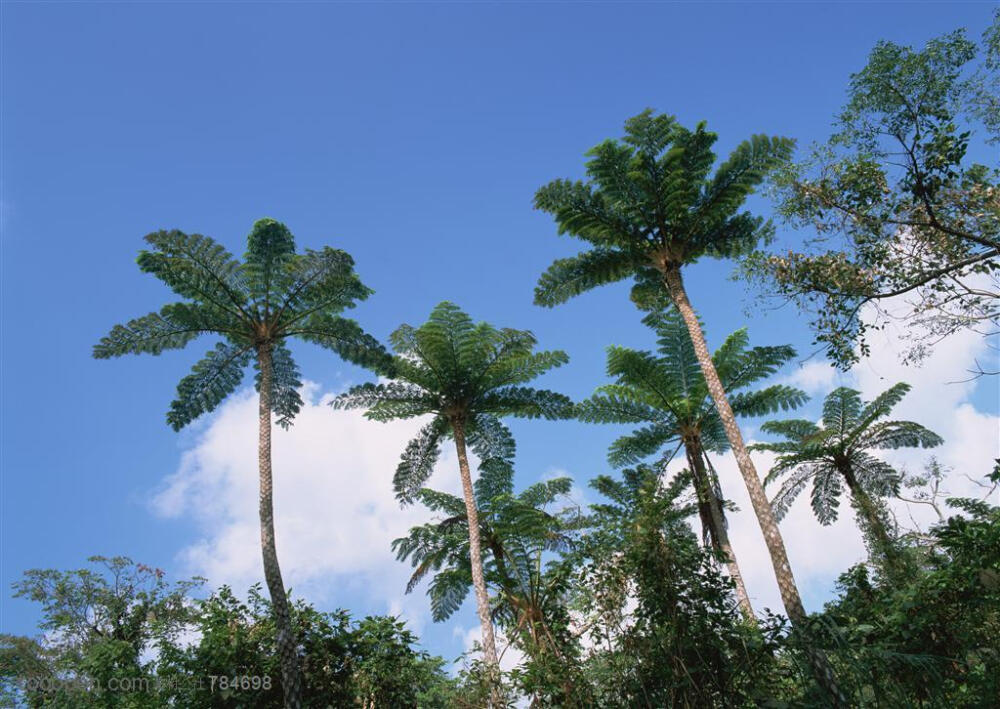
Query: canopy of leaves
(837, 452)
(123, 622)
(930, 638)
(460, 373)
(273, 294)
(665, 393)
(898, 206)
(650, 202)
(664, 625)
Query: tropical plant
(520, 534)
(466, 376)
(100, 626)
(119, 635)
(649, 209)
(836, 453)
(254, 306)
(900, 206)
(663, 625)
(666, 394)
(927, 638)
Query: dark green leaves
(837, 453)
(172, 328)
(196, 267)
(274, 295)
(285, 384)
(667, 392)
(270, 249)
(212, 379)
(464, 374)
(418, 459)
(569, 277)
(649, 200)
(345, 337)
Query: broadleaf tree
(254, 306)
(898, 202)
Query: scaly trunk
(872, 525)
(765, 515)
(291, 683)
(476, 560)
(716, 519)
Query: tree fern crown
(650, 203)
(272, 295)
(459, 372)
(666, 396)
(835, 452)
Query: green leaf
(212, 379)
(418, 459)
(172, 328)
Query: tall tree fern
(254, 307)
(516, 530)
(466, 376)
(665, 394)
(649, 208)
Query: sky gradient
(411, 135)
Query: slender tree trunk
(476, 560)
(765, 515)
(291, 682)
(717, 524)
(872, 525)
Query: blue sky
(411, 135)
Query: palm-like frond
(171, 328)
(212, 379)
(196, 267)
(569, 277)
(448, 589)
(255, 306)
(641, 444)
(269, 255)
(841, 410)
(418, 459)
(651, 195)
(343, 336)
(898, 434)
(789, 490)
(667, 392)
(285, 383)
(837, 452)
(826, 491)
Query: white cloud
(335, 512)
(819, 554)
(814, 377)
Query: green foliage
(519, 534)
(100, 627)
(120, 636)
(663, 623)
(837, 451)
(273, 295)
(667, 392)
(464, 373)
(897, 205)
(650, 204)
(929, 638)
